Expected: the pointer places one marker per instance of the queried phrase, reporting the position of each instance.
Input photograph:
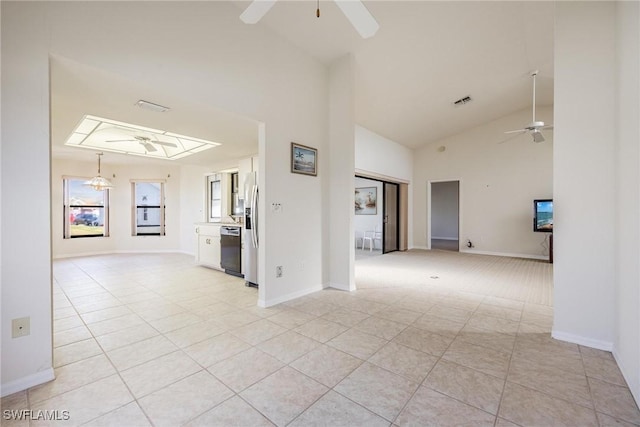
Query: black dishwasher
(231, 250)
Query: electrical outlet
(279, 271)
(20, 327)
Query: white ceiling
(110, 96)
(426, 55)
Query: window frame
(135, 207)
(67, 206)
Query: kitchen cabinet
(208, 245)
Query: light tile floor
(155, 340)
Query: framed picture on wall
(366, 201)
(304, 159)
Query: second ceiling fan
(146, 142)
(535, 127)
(361, 19)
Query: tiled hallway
(155, 340)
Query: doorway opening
(444, 214)
(377, 217)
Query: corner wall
(627, 341)
(584, 187)
(342, 160)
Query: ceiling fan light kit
(355, 11)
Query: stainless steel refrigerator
(251, 229)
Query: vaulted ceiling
(426, 55)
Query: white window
(214, 192)
(85, 210)
(148, 208)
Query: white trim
(443, 238)
(361, 173)
(157, 251)
(289, 297)
(340, 287)
(28, 382)
(577, 339)
(505, 254)
(424, 248)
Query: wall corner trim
(580, 340)
(341, 287)
(26, 382)
(289, 297)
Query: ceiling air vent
(462, 101)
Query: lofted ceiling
(426, 55)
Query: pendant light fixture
(97, 182)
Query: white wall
(498, 183)
(444, 210)
(204, 53)
(362, 223)
(380, 157)
(627, 339)
(26, 251)
(584, 159)
(341, 252)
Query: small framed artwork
(366, 201)
(304, 159)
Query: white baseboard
(158, 251)
(340, 287)
(577, 339)
(424, 248)
(289, 297)
(504, 254)
(27, 382)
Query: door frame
(429, 218)
(384, 208)
(403, 204)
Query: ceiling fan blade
(511, 137)
(547, 127)
(149, 147)
(167, 144)
(516, 131)
(256, 10)
(361, 19)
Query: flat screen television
(543, 215)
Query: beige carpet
(511, 278)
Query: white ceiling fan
(361, 19)
(535, 127)
(146, 142)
